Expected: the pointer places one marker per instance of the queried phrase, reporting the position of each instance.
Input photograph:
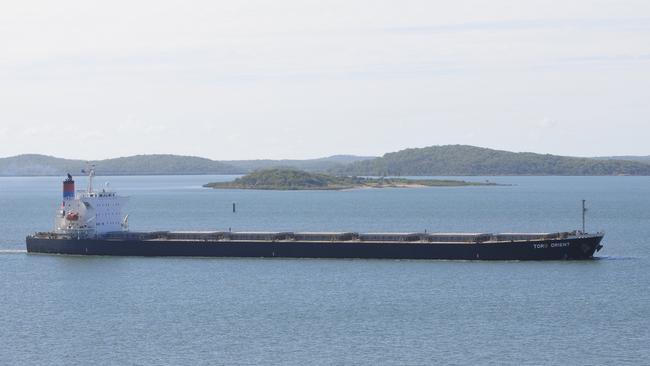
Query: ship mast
(584, 212)
(91, 174)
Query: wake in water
(12, 251)
(616, 258)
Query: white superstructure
(90, 212)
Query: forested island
(292, 179)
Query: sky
(303, 78)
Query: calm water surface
(58, 310)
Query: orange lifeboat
(72, 216)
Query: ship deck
(323, 237)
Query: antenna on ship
(584, 212)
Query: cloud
(145, 77)
(628, 24)
(546, 123)
(607, 58)
(134, 126)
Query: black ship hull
(574, 248)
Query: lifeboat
(72, 216)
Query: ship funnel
(68, 188)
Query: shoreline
(352, 188)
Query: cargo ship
(91, 222)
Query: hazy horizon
(306, 79)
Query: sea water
(68, 310)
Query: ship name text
(551, 245)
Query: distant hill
(30, 165)
(163, 164)
(310, 165)
(33, 165)
(434, 160)
(471, 160)
(641, 159)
